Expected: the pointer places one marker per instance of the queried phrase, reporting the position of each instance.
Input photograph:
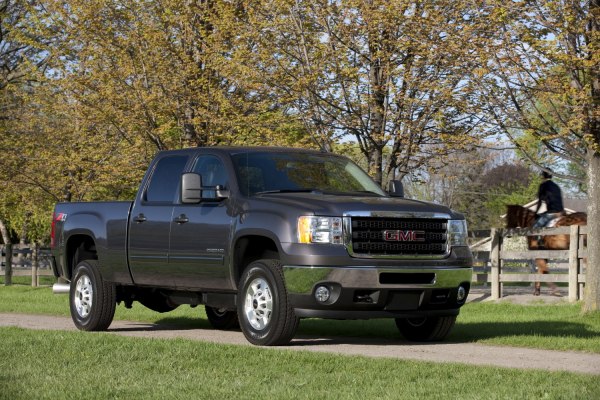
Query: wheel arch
(79, 247)
(251, 247)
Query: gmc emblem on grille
(404, 236)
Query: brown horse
(521, 217)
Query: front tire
(92, 300)
(265, 315)
(426, 329)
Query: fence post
(496, 263)
(573, 263)
(35, 264)
(581, 247)
(8, 249)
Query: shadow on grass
(166, 324)
(474, 331)
(383, 331)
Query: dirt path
(469, 353)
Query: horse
(521, 217)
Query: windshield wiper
(289, 191)
(368, 192)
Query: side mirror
(191, 188)
(396, 189)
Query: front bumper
(376, 291)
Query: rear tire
(221, 318)
(92, 300)
(426, 329)
(265, 315)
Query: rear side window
(165, 179)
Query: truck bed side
(93, 227)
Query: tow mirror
(191, 188)
(396, 189)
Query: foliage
(389, 75)
(479, 184)
(538, 77)
(508, 184)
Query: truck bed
(106, 223)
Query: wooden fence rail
(24, 261)
(499, 255)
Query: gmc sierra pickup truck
(263, 237)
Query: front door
(200, 233)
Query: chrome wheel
(83, 296)
(258, 304)
(92, 301)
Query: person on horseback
(549, 193)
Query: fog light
(461, 294)
(322, 294)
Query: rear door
(150, 222)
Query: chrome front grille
(398, 237)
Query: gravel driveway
(468, 353)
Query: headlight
(320, 230)
(457, 232)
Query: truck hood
(338, 205)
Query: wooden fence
(24, 260)
(496, 274)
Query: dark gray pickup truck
(263, 237)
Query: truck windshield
(274, 172)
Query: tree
(160, 72)
(478, 184)
(388, 74)
(540, 78)
(19, 60)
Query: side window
(212, 171)
(165, 179)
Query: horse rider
(549, 193)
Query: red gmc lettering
(404, 236)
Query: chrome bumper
(303, 280)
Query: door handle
(182, 219)
(140, 218)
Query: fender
(109, 236)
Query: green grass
(26, 280)
(83, 365)
(554, 327)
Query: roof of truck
(249, 149)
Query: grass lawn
(74, 365)
(555, 327)
(83, 365)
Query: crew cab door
(150, 223)
(200, 233)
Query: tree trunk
(376, 164)
(592, 272)
(4, 233)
